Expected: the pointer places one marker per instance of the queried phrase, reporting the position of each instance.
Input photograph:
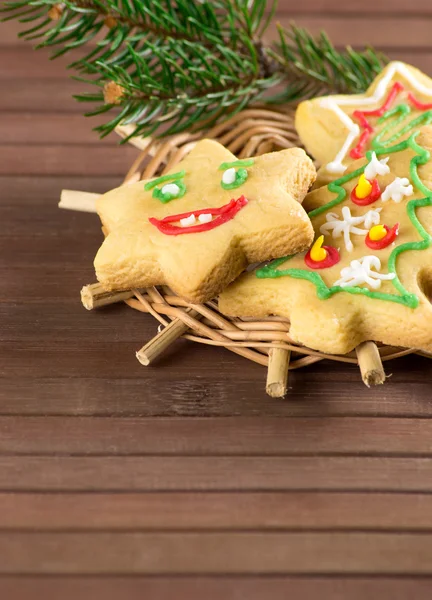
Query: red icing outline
(224, 213)
(388, 239)
(417, 103)
(359, 150)
(375, 193)
(360, 115)
(332, 258)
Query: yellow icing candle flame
(317, 252)
(377, 232)
(364, 187)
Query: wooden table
(184, 480)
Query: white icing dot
(205, 218)
(397, 189)
(170, 188)
(229, 176)
(188, 221)
(376, 167)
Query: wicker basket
(267, 341)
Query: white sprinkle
(205, 218)
(397, 189)
(364, 270)
(170, 188)
(188, 221)
(376, 167)
(229, 176)
(348, 224)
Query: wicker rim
(249, 133)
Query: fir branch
(314, 67)
(171, 65)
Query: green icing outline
(171, 178)
(241, 173)
(405, 298)
(247, 162)
(240, 178)
(165, 197)
(402, 110)
(423, 119)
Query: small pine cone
(110, 22)
(56, 11)
(113, 93)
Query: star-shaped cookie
(337, 130)
(198, 226)
(368, 275)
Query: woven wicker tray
(267, 341)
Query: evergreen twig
(168, 65)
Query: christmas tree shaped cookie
(198, 226)
(368, 275)
(337, 130)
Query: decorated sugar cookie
(338, 130)
(198, 226)
(368, 274)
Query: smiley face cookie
(368, 275)
(338, 130)
(198, 226)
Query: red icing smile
(223, 214)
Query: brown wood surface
(185, 480)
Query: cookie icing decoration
(397, 189)
(321, 257)
(173, 187)
(381, 236)
(235, 174)
(348, 224)
(199, 241)
(362, 116)
(380, 288)
(376, 167)
(339, 129)
(187, 221)
(365, 270)
(365, 192)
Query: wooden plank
(215, 437)
(59, 128)
(315, 392)
(369, 7)
(23, 63)
(177, 473)
(48, 221)
(214, 588)
(382, 29)
(50, 249)
(54, 95)
(43, 95)
(214, 511)
(66, 160)
(25, 191)
(18, 323)
(209, 553)
(383, 32)
(85, 358)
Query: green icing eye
(173, 187)
(170, 191)
(234, 173)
